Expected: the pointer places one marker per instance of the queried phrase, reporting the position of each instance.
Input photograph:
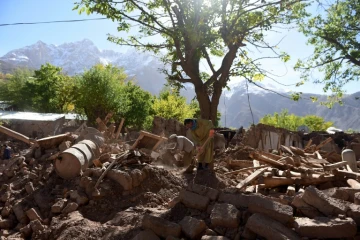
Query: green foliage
(50, 90)
(197, 31)
(292, 122)
(14, 89)
(103, 89)
(334, 33)
(170, 104)
(45, 90)
(351, 131)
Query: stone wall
(37, 129)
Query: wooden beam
(119, 128)
(16, 135)
(265, 159)
(243, 170)
(323, 143)
(251, 178)
(333, 166)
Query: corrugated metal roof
(31, 116)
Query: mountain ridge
(75, 57)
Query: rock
(225, 215)
(137, 177)
(70, 207)
(248, 234)
(193, 200)
(357, 198)
(211, 193)
(79, 198)
(7, 223)
(192, 227)
(26, 231)
(238, 200)
(121, 177)
(160, 226)
(269, 228)
(173, 238)
(36, 226)
(20, 214)
(275, 210)
(214, 238)
(29, 187)
(37, 153)
(33, 214)
(306, 209)
(324, 203)
(210, 232)
(58, 206)
(146, 235)
(6, 211)
(64, 145)
(323, 227)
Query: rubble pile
(122, 192)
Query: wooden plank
(323, 143)
(243, 170)
(119, 128)
(266, 159)
(333, 166)
(107, 118)
(16, 135)
(251, 178)
(101, 125)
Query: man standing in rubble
(187, 146)
(202, 131)
(7, 152)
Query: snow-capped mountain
(78, 56)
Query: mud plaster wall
(165, 127)
(266, 137)
(37, 129)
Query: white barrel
(348, 155)
(78, 158)
(70, 163)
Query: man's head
(188, 123)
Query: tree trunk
(208, 108)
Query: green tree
(316, 123)
(14, 89)
(292, 122)
(334, 33)
(170, 104)
(104, 89)
(196, 31)
(50, 90)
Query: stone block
(306, 209)
(269, 228)
(323, 227)
(238, 200)
(79, 198)
(193, 200)
(161, 227)
(206, 237)
(324, 203)
(58, 206)
(33, 214)
(146, 235)
(137, 177)
(225, 215)
(70, 207)
(20, 214)
(211, 193)
(121, 177)
(275, 210)
(36, 226)
(29, 187)
(192, 227)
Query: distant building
(36, 125)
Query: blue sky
(13, 37)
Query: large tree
(193, 33)
(335, 34)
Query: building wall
(37, 129)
